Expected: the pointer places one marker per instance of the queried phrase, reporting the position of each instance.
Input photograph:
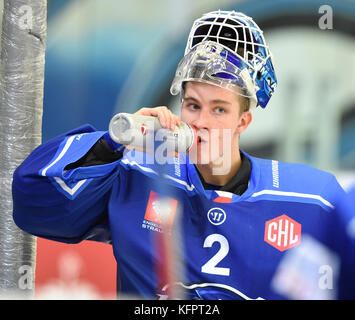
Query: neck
(223, 171)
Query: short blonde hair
(244, 104)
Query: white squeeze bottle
(145, 131)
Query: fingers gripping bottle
(144, 132)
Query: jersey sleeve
(61, 190)
(345, 224)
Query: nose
(202, 125)
(202, 121)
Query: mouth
(202, 135)
(200, 140)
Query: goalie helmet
(228, 49)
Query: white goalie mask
(211, 63)
(228, 49)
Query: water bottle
(144, 132)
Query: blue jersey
(344, 224)
(275, 241)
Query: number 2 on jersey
(211, 265)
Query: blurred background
(111, 56)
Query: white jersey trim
(145, 169)
(60, 156)
(293, 194)
(59, 181)
(71, 191)
(216, 285)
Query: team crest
(160, 212)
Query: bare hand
(166, 118)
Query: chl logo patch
(216, 216)
(282, 232)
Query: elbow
(18, 211)
(20, 217)
(23, 195)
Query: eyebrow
(215, 101)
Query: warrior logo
(216, 216)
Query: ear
(244, 121)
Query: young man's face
(215, 112)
